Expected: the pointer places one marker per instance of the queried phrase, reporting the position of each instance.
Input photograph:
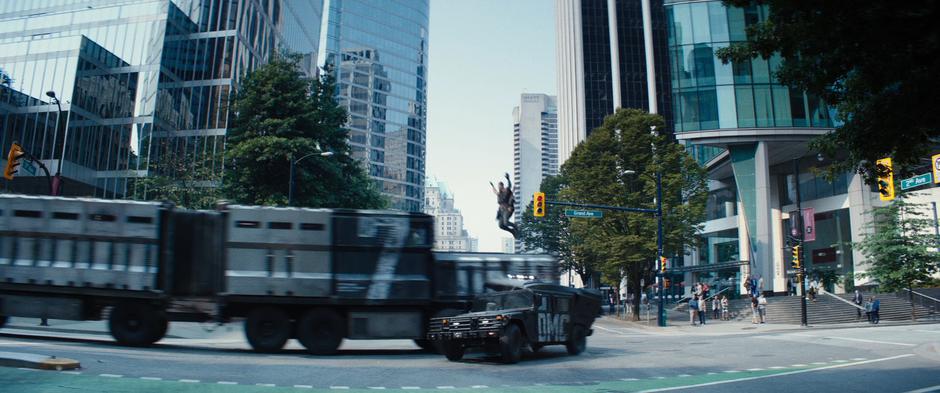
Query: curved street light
(293, 162)
(57, 178)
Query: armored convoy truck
(535, 315)
(317, 275)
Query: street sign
(936, 167)
(916, 181)
(28, 167)
(584, 213)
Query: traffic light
(538, 204)
(886, 182)
(662, 264)
(13, 160)
(797, 261)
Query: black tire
(136, 325)
(267, 329)
(510, 344)
(577, 343)
(3, 321)
(320, 331)
(453, 350)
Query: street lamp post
(57, 179)
(290, 190)
(659, 243)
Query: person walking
(693, 307)
(858, 299)
(868, 310)
(716, 308)
(753, 309)
(762, 307)
(725, 316)
(702, 310)
(875, 308)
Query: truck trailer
(317, 275)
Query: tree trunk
(637, 292)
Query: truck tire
(267, 329)
(136, 325)
(510, 344)
(321, 331)
(577, 343)
(452, 350)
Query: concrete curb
(41, 362)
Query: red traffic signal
(538, 204)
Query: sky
(482, 55)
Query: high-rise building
(138, 80)
(752, 134)
(508, 245)
(535, 147)
(449, 233)
(601, 64)
(378, 50)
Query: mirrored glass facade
(136, 79)
(378, 51)
(708, 94)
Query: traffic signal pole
(798, 220)
(659, 247)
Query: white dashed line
(267, 385)
(151, 378)
(377, 387)
(72, 372)
(189, 380)
(684, 375)
(445, 387)
(303, 386)
(629, 379)
(479, 387)
(818, 363)
(110, 375)
(411, 387)
(840, 361)
(711, 374)
(339, 387)
(227, 383)
(798, 365)
(777, 368)
(755, 369)
(27, 369)
(731, 371)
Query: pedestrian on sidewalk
(762, 307)
(753, 309)
(716, 307)
(693, 308)
(875, 308)
(702, 310)
(858, 299)
(868, 310)
(725, 316)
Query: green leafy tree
(280, 116)
(875, 62)
(899, 247)
(187, 180)
(599, 172)
(552, 234)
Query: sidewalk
(717, 327)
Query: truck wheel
(320, 331)
(577, 343)
(267, 329)
(3, 321)
(510, 344)
(136, 324)
(452, 350)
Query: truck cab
(505, 322)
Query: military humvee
(534, 315)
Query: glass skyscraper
(378, 51)
(138, 80)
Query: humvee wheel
(267, 329)
(320, 331)
(510, 344)
(452, 350)
(577, 343)
(136, 325)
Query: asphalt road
(620, 357)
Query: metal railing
(932, 304)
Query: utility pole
(794, 221)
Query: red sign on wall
(809, 224)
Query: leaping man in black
(506, 206)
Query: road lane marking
(797, 365)
(731, 371)
(411, 387)
(445, 387)
(840, 361)
(189, 380)
(758, 369)
(267, 385)
(933, 388)
(629, 379)
(151, 378)
(818, 363)
(377, 387)
(619, 333)
(479, 387)
(777, 374)
(72, 372)
(110, 375)
(859, 359)
(862, 340)
(227, 383)
(684, 375)
(304, 386)
(339, 387)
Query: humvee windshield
(496, 301)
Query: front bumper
(465, 335)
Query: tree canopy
(875, 62)
(280, 116)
